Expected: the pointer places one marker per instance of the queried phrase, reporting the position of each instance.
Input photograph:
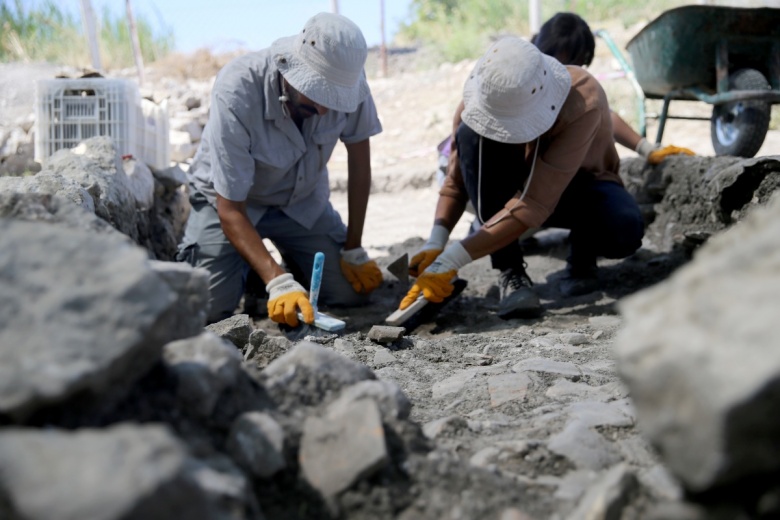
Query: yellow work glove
(435, 283)
(656, 156)
(430, 250)
(359, 270)
(285, 297)
(655, 153)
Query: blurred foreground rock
(700, 355)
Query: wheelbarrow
(725, 56)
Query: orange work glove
(359, 270)
(430, 250)
(435, 283)
(656, 156)
(285, 297)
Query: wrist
(356, 256)
(278, 281)
(439, 237)
(454, 257)
(644, 147)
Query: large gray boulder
(700, 355)
(120, 473)
(81, 313)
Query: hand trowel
(321, 320)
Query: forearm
(624, 134)
(358, 190)
(244, 237)
(491, 238)
(448, 212)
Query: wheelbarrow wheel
(739, 128)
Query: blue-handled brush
(322, 321)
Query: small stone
(385, 334)
(574, 338)
(505, 388)
(256, 443)
(513, 514)
(548, 366)
(606, 499)
(236, 329)
(383, 358)
(485, 457)
(586, 448)
(437, 427)
(452, 384)
(340, 449)
(597, 334)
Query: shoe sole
(534, 312)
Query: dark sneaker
(517, 299)
(579, 281)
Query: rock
(584, 447)
(192, 287)
(310, 374)
(270, 348)
(444, 425)
(140, 181)
(606, 499)
(204, 366)
(256, 442)
(505, 388)
(392, 402)
(342, 447)
(573, 338)
(547, 366)
(81, 313)
(513, 514)
(47, 183)
(385, 334)
(120, 472)
(235, 329)
(452, 384)
(595, 413)
(699, 354)
(227, 489)
(383, 358)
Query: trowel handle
(316, 279)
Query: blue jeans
(603, 217)
(205, 245)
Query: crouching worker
(533, 148)
(260, 172)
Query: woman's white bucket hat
(515, 92)
(325, 61)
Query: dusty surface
(524, 413)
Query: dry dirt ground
(451, 367)
(461, 369)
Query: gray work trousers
(205, 245)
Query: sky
(224, 25)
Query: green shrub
(46, 32)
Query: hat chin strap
(507, 212)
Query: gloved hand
(430, 250)
(285, 297)
(435, 283)
(359, 270)
(655, 153)
(658, 155)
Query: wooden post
(139, 59)
(382, 45)
(88, 18)
(534, 15)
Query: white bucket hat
(515, 92)
(324, 62)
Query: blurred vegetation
(462, 29)
(46, 32)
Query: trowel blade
(400, 268)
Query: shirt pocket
(272, 163)
(325, 140)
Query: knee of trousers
(625, 238)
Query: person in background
(569, 39)
(261, 173)
(533, 147)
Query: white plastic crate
(155, 143)
(71, 110)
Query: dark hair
(567, 38)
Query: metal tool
(321, 320)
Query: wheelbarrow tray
(678, 49)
